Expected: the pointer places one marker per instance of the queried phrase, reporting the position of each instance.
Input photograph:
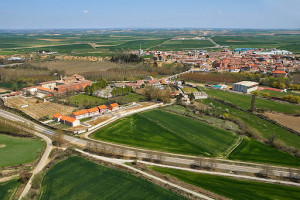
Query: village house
(57, 116)
(80, 114)
(72, 122)
(30, 90)
(113, 107)
(102, 109)
(49, 85)
(93, 111)
(63, 119)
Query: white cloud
(85, 11)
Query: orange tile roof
(64, 117)
(278, 72)
(44, 89)
(93, 109)
(114, 105)
(80, 112)
(102, 107)
(70, 119)
(56, 115)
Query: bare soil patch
(99, 120)
(2, 145)
(285, 120)
(37, 108)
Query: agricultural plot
(78, 178)
(86, 100)
(279, 94)
(131, 97)
(161, 130)
(233, 188)
(285, 120)
(8, 189)
(253, 151)
(135, 44)
(16, 151)
(265, 128)
(177, 45)
(37, 108)
(189, 89)
(286, 42)
(244, 101)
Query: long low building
(245, 86)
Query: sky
(73, 14)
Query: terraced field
(161, 130)
(8, 189)
(77, 178)
(234, 188)
(253, 151)
(16, 151)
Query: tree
(14, 86)
(254, 94)
(58, 139)
(37, 180)
(25, 176)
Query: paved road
(168, 157)
(121, 163)
(40, 165)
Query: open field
(285, 120)
(87, 100)
(75, 66)
(177, 45)
(279, 94)
(253, 151)
(161, 130)
(99, 120)
(131, 97)
(37, 108)
(78, 178)
(244, 101)
(8, 189)
(16, 151)
(233, 188)
(286, 42)
(189, 89)
(265, 128)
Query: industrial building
(245, 86)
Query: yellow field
(37, 108)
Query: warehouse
(245, 86)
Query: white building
(245, 86)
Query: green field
(244, 101)
(264, 127)
(253, 151)
(86, 100)
(234, 188)
(16, 151)
(161, 130)
(177, 45)
(284, 42)
(78, 178)
(189, 89)
(131, 97)
(8, 189)
(278, 94)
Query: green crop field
(244, 101)
(264, 127)
(279, 94)
(16, 151)
(86, 100)
(78, 178)
(131, 97)
(254, 151)
(8, 189)
(189, 89)
(177, 45)
(161, 130)
(234, 188)
(284, 42)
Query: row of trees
(89, 90)
(292, 98)
(126, 58)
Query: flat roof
(247, 83)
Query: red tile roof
(80, 112)
(56, 115)
(102, 107)
(93, 110)
(44, 89)
(114, 105)
(278, 72)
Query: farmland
(233, 188)
(8, 189)
(253, 151)
(286, 42)
(131, 97)
(176, 45)
(78, 178)
(37, 108)
(189, 89)
(286, 120)
(86, 100)
(16, 151)
(161, 130)
(244, 101)
(265, 128)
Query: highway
(167, 157)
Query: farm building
(102, 109)
(56, 117)
(73, 86)
(80, 114)
(200, 95)
(245, 86)
(63, 119)
(113, 106)
(49, 84)
(30, 90)
(93, 111)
